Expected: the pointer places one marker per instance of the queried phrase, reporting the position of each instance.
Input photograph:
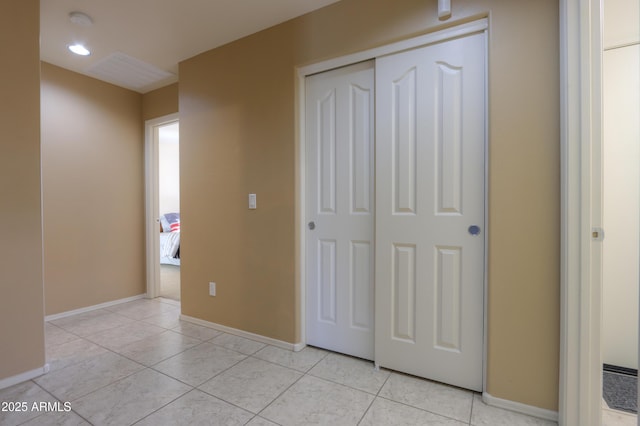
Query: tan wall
(237, 125)
(160, 102)
(21, 306)
(93, 191)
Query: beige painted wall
(160, 102)
(93, 191)
(237, 129)
(21, 304)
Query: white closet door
(430, 138)
(340, 205)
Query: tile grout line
(145, 367)
(290, 368)
(375, 397)
(218, 374)
(101, 387)
(303, 374)
(160, 408)
(473, 403)
(421, 409)
(225, 401)
(278, 396)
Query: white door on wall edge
(339, 128)
(429, 262)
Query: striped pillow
(170, 222)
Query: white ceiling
(135, 43)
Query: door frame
(581, 211)
(468, 28)
(152, 197)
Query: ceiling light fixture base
(81, 19)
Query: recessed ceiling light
(79, 49)
(81, 19)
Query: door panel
(340, 203)
(327, 281)
(403, 112)
(429, 269)
(403, 307)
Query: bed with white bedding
(170, 239)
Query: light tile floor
(137, 363)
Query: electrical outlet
(212, 288)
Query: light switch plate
(252, 201)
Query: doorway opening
(162, 161)
(581, 360)
(169, 209)
(621, 210)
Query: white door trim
(581, 211)
(479, 25)
(471, 27)
(152, 201)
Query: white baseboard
(257, 337)
(94, 307)
(518, 407)
(23, 377)
(299, 346)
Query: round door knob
(474, 230)
(312, 225)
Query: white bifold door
(409, 230)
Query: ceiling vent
(126, 71)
